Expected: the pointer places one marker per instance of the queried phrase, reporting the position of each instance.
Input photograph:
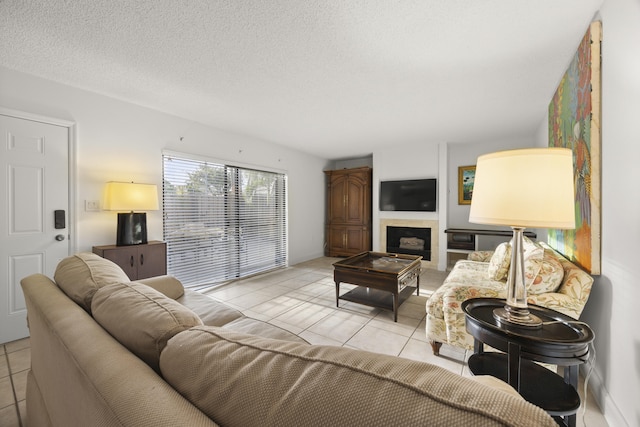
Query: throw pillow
(81, 275)
(480, 256)
(549, 277)
(141, 318)
(499, 263)
(533, 255)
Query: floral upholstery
(533, 256)
(481, 256)
(470, 279)
(499, 262)
(549, 277)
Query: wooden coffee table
(384, 280)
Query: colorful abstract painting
(574, 122)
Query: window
(221, 222)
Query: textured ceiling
(333, 78)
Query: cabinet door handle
(131, 261)
(141, 259)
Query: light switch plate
(91, 205)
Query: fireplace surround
(412, 223)
(410, 241)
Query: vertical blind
(222, 222)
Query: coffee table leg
(337, 294)
(395, 307)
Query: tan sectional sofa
(109, 352)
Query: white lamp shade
(129, 197)
(525, 188)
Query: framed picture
(466, 178)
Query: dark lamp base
(132, 229)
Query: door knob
(60, 237)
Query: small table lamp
(523, 188)
(130, 197)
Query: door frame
(73, 165)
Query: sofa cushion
(81, 275)
(141, 318)
(210, 311)
(549, 276)
(247, 325)
(471, 267)
(242, 380)
(498, 268)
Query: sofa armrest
(455, 295)
(83, 376)
(495, 383)
(210, 311)
(454, 317)
(558, 302)
(573, 293)
(576, 283)
(168, 285)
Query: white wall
(466, 154)
(612, 307)
(440, 160)
(408, 161)
(412, 161)
(119, 141)
(351, 163)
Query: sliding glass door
(222, 222)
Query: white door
(34, 183)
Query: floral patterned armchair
(554, 283)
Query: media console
(465, 240)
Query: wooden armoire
(348, 220)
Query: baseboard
(608, 407)
(293, 260)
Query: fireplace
(409, 240)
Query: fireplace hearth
(410, 241)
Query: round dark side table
(561, 341)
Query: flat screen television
(416, 195)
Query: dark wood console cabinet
(462, 241)
(138, 261)
(348, 216)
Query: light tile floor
(301, 299)
(15, 359)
